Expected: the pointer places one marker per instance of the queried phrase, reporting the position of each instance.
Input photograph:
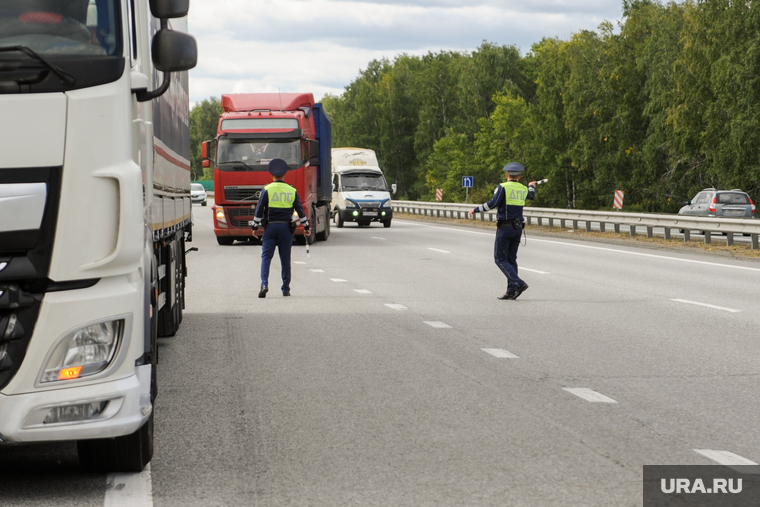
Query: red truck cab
(254, 129)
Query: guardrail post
(616, 227)
(687, 235)
(588, 225)
(562, 223)
(490, 217)
(633, 230)
(528, 220)
(551, 222)
(754, 242)
(667, 232)
(650, 232)
(482, 217)
(708, 237)
(729, 238)
(575, 224)
(539, 221)
(601, 226)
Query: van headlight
(83, 352)
(387, 204)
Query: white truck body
(92, 225)
(360, 192)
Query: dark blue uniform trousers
(505, 254)
(278, 235)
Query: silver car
(198, 193)
(720, 203)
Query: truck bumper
(376, 215)
(128, 407)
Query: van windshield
(364, 181)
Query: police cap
(278, 167)
(514, 168)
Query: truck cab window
(61, 27)
(256, 153)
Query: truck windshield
(255, 154)
(364, 181)
(60, 27)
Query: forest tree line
(661, 107)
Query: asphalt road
(390, 377)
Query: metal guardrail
(648, 221)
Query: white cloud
(320, 45)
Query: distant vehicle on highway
(711, 202)
(198, 193)
(360, 192)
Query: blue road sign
(467, 181)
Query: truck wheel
(129, 453)
(387, 223)
(225, 240)
(203, 203)
(313, 236)
(322, 236)
(338, 219)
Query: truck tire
(338, 219)
(322, 236)
(387, 223)
(225, 240)
(313, 236)
(129, 453)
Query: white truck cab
(360, 192)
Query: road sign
(467, 181)
(438, 194)
(618, 199)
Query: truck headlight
(220, 215)
(85, 351)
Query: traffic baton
(542, 181)
(307, 246)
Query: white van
(360, 192)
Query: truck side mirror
(393, 188)
(174, 51)
(167, 9)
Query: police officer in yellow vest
(509, 198)
(275, 212)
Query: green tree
(204, 122)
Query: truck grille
(242, 194)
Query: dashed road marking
(317, 270)
(437, 250)
(534, 271)
(129, 490)
(376, 237)
(394, 306)
(500, 353)
(732, 310)
(299, 262)
(337, 280)
(437, 324)
(589, 395)
(725, 457)
(363, 291)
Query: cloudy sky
(320, 46)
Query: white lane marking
(725, 457)
(732, 310)
(317, 270)
(375, 237)
(394, 306)
(363, 291)
(500, 353)
(299, 262)
(436, 250)
(337, 279)
(437, 324)
(129, 490)
(589, 395)
(640, 254)
(534, 271)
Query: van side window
(336, 183)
